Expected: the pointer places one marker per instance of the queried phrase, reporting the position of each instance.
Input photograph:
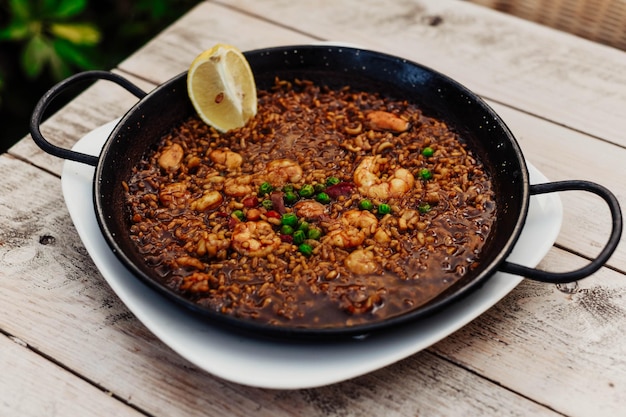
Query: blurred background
(45, 41)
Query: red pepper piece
(343, 188)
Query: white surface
(285, 365)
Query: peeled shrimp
(309, 209)
(256, 239)
(383, 120)
(174, 195)
(282, 171)
(361, 262)
(355, 226)
(208, 201)
(367, 177)
(231, 160)
(239, 186)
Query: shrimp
(367, 177)
(349, 237)
(354, 227)
(361, 219)
(383, 120)
(309, 209)
(208, 201)
(171, 157)
(174, 195)
(256, 239)
(231, 160)
(239, 186)
(361, 262)
(281, 171)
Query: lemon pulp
(221, 87)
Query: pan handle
(50, 95)
(595, 264)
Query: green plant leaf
(62, 9)
(60, 69)
(78, 33)
(37, 52)
(73, 54)
(20, 9)
(15, 31)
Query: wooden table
(70, 347)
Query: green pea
(288, 188)
(425, 174)
(265, 188)
(366, 205)
(428, 152)
(323, 198)
(290, 197)
(424, 208)
(239, 214)
(332, 181)
(384, 209)
(289, 219)
(267, 204)
(319, 188)
(305, 249)
(285, 229)
(304, 226)
(298, 237)
(306, 191)
(314, 233)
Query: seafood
(174, 195)
(367, 177)
(383, 120)
(353, 227)
(282, 171)
(361, 261)
(238, 186)
(171, 157)
(231, 160)
(255, 239)
(310, 209)
(208, 201)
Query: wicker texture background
(603, 21)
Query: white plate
(285, 365)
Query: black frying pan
(439, 96)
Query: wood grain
(540, 339)
(543, 71)
(540, 351)
(208, 24)
(54, 392)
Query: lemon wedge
(221, 87)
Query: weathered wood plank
(54, 300)
(174, 50)
(53, 392)
(537, 69)
(564, 348)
